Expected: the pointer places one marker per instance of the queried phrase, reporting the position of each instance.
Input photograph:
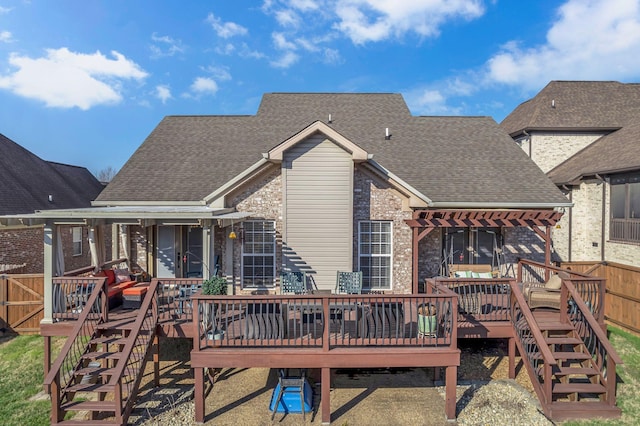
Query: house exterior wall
(548, 149)
(26, 246)
(522, 242)
(374, 199)
(614, 251)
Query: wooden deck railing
(590, 288)
(127, 375)
(484, 299)
(324, 321)
(72, 294)
(532, 347)
(594, 337)
(60, 374)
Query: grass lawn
(21, 370)
(21, 377)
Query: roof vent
(387, 135)
(330, 119)
(553, 103)
(50, 198)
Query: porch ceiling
(483, 218)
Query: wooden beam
(325, 395)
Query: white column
(49, 250)
(208, 266)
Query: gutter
(480, 205)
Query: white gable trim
(358, 154)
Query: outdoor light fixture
(233, 235)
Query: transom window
(375, 254)
(259, 254)
(625, 208)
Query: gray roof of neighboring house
(584, 106)
(448, 159)
(26, 181)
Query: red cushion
(111, 276)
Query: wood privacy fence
(623, 291)
(21, 303)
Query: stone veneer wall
(619, 252)
(550, 149)
(262, 196)
(139, 247)
(374, 199)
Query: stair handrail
(518, 300)
(148, 308)
(100, 288)
(612, 357)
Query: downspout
(602, 225)
(570, 224)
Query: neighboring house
(27, 184)
(584, 135)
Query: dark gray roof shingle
(448, 159)
(586, 105)
(26, 181)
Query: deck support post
(199, 396)
(512, 357)
(325, 395)
(451, 373)
(47, 360)
(156, 360)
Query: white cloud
(288, 18)
(286, 60)
(227, 49)
(4, 10)
(281, 42)
(304, 5)
(219, 73)
(204, 86)
(165, 46)
(6, 37)
(246, 52)
(375, 20)
(331, 56)
(226, 29)
(163, 92)
(67, 79)
(591, 40)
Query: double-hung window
(76, 232)
(375, 254)
(625, 208)
(259, 254)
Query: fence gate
(21, 303)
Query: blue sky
(84, 82)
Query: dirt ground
(242, 396)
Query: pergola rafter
(425, 221)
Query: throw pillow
(554, 283)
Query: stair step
(90, 387)
(554, 326)
(594, 388)
(108, 406)
(100, 371)
(562, 410)
(557, 340)
(574, 371)
(570, 355)
(109, 340)
(102, 355)
(120, 324)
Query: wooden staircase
(579, 386)
(100, 374)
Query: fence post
(4, 308)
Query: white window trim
(74, 241)
(390, 255)
(242, 255)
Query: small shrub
(214, 286)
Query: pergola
(425, 221)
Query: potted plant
(427, 320)
(213, 286)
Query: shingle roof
(26, 181)
(576, 105)
(449, 159)
(586, 105)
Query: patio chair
(293, 283)
(544, 295)
(349, 282)
(292, 394)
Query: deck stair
(578, 387)
(104, 374)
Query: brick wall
(26, 245)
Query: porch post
(49, 250)
(206, 249)
(512, 357)
(414, 262)
(198, 394)
(325, 395)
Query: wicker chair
(544, 295)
